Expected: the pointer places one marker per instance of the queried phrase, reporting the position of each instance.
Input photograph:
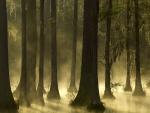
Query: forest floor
(124, 103)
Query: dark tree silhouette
(72, 87)
(31, 48)
(47, 27)
(23, 95)
(108, 93)
(138, 85)
(54, 92)
(40, 89)
(88, 94)
(6, 97)
(128, 83)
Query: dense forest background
(64, 31)
(81, 50)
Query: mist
(113, 26)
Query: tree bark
(72, 87)
(54, 92)
(31, 48)
(23, 96)
(88, 94)
(138, 91)
(108, 93)
(6, 97)
(128, 83)
(40, 89)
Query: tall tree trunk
(31, 48)
(47, 21)
(128, 83)
(6, 97)
(138, 85)
(47, 36)
(108, 93)
(40, 88)
(54, 92)
(23, 96)
(62, 2)
(88, 94)
(72, 87)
